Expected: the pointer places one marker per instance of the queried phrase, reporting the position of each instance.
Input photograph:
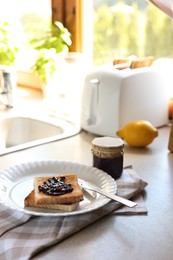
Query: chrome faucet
(6, 88)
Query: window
(101, 29)
(123, 28)
(110, 28)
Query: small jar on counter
(108, 155)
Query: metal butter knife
(88, 186)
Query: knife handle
(123, 201)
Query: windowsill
(29, 80)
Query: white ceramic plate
(17, 182)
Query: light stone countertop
(136, 237)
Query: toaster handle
(92, 117)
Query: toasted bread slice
(68, 198)
(30, 202)
(143, 62)
(120, 61)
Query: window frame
(70, 14)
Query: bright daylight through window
(119, 28)
(27, 20)
(130, 27)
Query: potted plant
(55, 42)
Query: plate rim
(16, 169)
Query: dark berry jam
(113, 166)
(55, 186)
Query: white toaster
(112, 98)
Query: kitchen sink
(19, 132)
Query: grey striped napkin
(22, 236)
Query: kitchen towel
(22, 236)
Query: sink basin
(18, 132)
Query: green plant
(7, 49)
(57, 40)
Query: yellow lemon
(139, 133)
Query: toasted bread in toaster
(143, 62)
(72, 197)
(30, 202)
(120, 61)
